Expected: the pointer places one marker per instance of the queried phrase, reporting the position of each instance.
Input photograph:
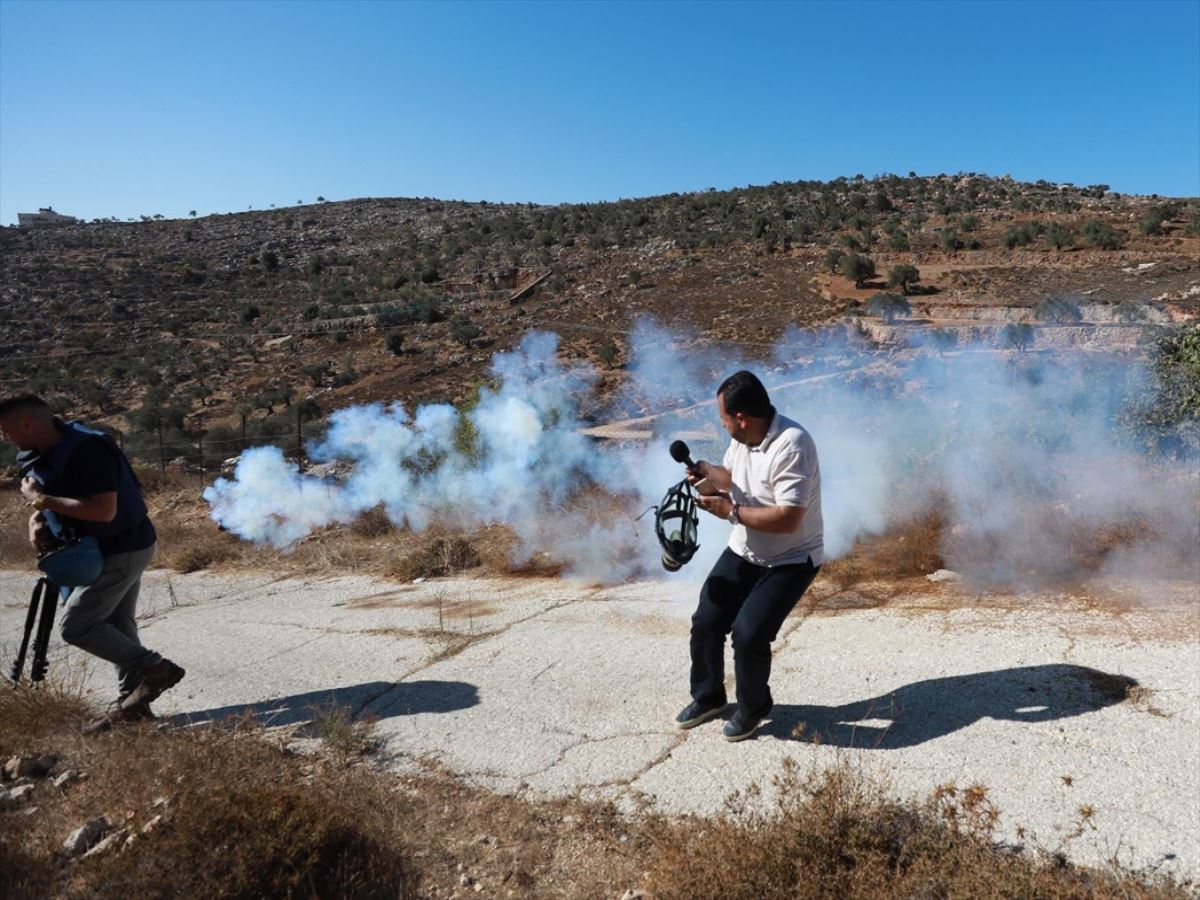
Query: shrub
(1151, 223)
(857, 268)
(1021, 235)
(250, 313)
(941, 339)
(1103, 236)
(1169, 417)
(608, 353)
(395, 342)
(1059, 310)
(316, 372)
(311, 311)
(270, 260)
(436, 557)
(902, 276)
(888, 306)
(1129, 312)
(464, 331)
(1017, 335)
(1059, 236)
(833, 258)
(950, 240)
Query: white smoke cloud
(1020, 452)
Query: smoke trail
(517, 457)
(1019, 452)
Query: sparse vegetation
(857, 268)
(1059, 236)
(888, 306)
(1059, 310)
(1168, 417)
(903, 277)
(243, 814)
(342, 275)
(1103, 236)
(1017, 335)
(608, 353)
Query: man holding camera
(80, 484)
(769, 487)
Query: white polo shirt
(781, 471)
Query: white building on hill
(43, 218)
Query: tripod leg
(41, 644)
(30, 617)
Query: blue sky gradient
(126, 109)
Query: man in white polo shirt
(770, 483)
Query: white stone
(86, 836)
(107, 843)
(943, 575)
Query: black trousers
(750, 602)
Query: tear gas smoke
(1020, 453)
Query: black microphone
(681, 454)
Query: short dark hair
(19, 402)
(744, 393)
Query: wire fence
(207, 450)
(213, 449)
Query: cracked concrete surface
(546, 688)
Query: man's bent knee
(755, 640)
(72, 632)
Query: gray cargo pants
(101, 618)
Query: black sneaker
(741, 726)
(697, 713)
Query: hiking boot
(119, 715)
(140, 713)
(741, 726)
(160, 677)
(698, 713)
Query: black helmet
(677, 526)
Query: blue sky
(141, 108)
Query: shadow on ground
(926, 710)
(379, 699)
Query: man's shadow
(377, 699)
(920, 712)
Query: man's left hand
(720, 505)
(32, 492)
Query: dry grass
(243, 817)
(835, 834)
(190, 541)
(246, 816)
(906, 551)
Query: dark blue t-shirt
(95, 468)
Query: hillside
(234, 326)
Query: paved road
(546, 687)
